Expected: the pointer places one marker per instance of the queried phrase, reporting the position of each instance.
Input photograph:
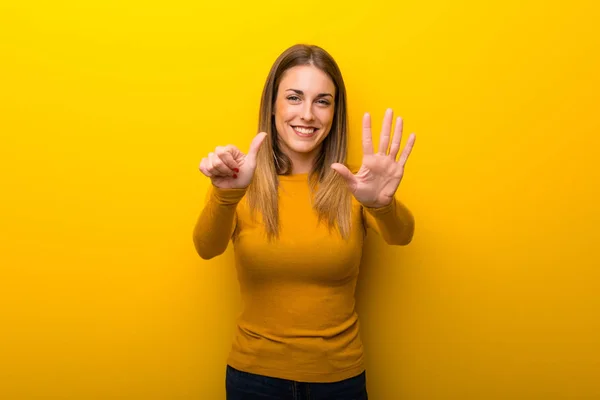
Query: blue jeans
(241, 385)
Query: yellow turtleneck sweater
(299, 320)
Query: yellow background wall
(107, 107)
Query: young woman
(297, 218)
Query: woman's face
(304, 109)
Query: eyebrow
(300, 92)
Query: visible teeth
(305, 130)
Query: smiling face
(304, 111)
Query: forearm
(394, 222)
(216, 222)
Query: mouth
(305, 131)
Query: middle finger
(386, 128)
(218, 165)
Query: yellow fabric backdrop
(107, 107)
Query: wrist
(380, 207)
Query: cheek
(283, 114)
(326, 116)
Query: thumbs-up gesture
(229, 168)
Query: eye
(293, 98)
(324, 102)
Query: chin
(308, 145)
(302, 147)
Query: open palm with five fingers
(379, 176)
(229, 168)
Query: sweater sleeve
(217, 221)
(394, 222)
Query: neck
(302, 163)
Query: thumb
(342, 170)
(255, 145)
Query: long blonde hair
(331, 198)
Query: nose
(307, 113)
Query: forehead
(307, 78)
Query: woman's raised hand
(379, 176)
(229, 168)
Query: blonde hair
(331, 198)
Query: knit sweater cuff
(228, 196)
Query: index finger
(367, 137)
(224, 153)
